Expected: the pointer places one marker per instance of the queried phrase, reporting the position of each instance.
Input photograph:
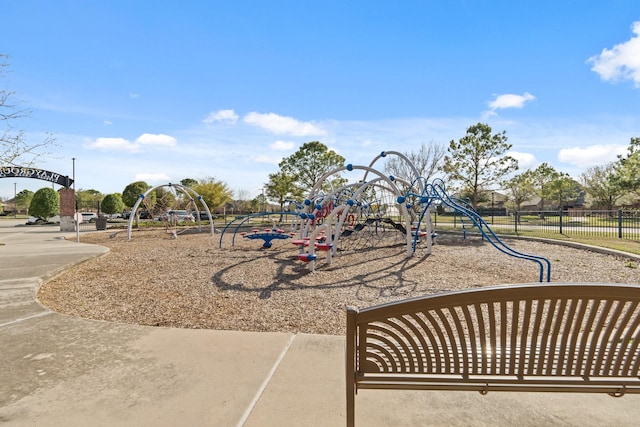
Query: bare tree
(427, 160)
(14, 147)
(241, 201)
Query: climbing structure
(372, 210)
(384, 210)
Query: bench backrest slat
(576, 330)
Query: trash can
(101, 223)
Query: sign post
(78, 217)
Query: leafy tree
(427, 160)
(627, 174)
(215, 193)
(189, 182)
(256, 204)
(45, 203)
(601, 185)
(133, 191)
(112, 203)
(23, 199)
(88, 199)
(309, 163)
(478, 160)
(563, 189)
(282, 187)
(541, 177)
(519, 189)
(14, 148)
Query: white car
(32, 220)
(177, 216)
(89, 216)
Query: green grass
(605, 241)
(625, 245)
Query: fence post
(515, 224)
(619, 223)
(560, 220)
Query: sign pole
(75, 207)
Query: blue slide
(436, 190)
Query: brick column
(67, 209)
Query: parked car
(141, 215)
(176, 216)
(34, 220)
(146, 215)
(89, 216)
(203, 215)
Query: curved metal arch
(186, 190)
(416, 174)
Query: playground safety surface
(191, 282)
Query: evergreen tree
(478, 161)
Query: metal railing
(621, 224)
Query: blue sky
(162, 90)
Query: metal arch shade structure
(186, 190)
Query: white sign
(78, 217)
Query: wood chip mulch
(190, 282)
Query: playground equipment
(194, 202)
(239, 226)
(373, 210)
(267, 236)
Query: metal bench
(536, 337)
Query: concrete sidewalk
(62, 371)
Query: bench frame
(579, 338)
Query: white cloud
(509, 100)
(133, 95)
(124, 145)
(593, 155)
(281, 125)
(226, 116)
(282, 145)
(156, 140)
(152, 178)
(272, 160)
(622, 62)
(525, 160)
(114, 144)
(107, 123)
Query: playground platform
(60, 370)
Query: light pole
(15, 200)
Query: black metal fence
(102, 223)
(622, 224)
